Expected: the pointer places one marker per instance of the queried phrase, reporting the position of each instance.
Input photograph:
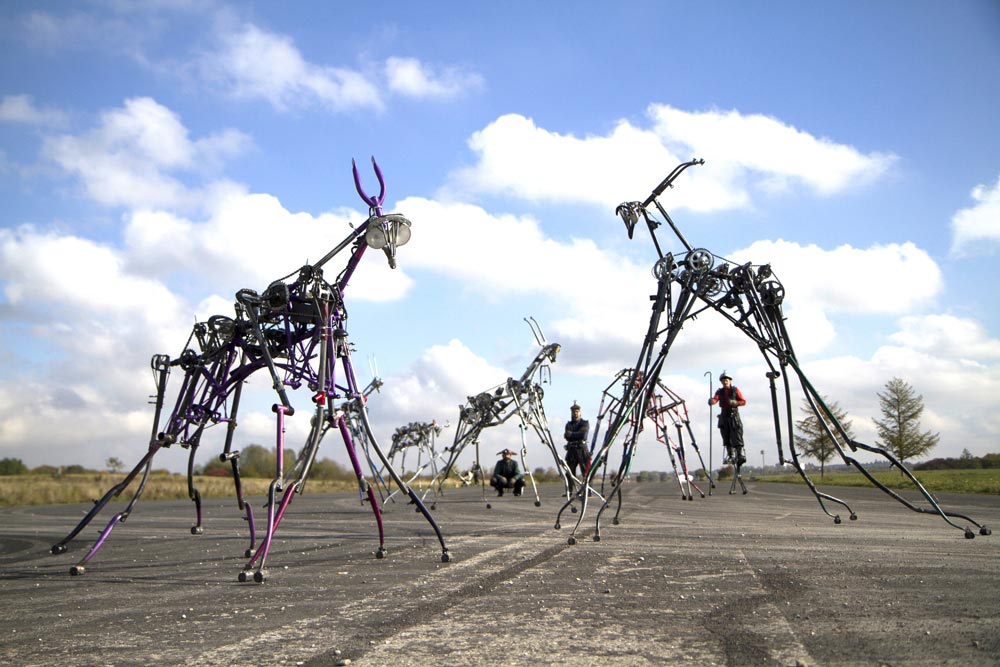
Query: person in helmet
(507, 474)
(730, 400)
(577, 454)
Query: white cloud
(760, 147)
(412, 78)
(249, 240)
(961, 340)
(254, 63)
(890, 279)
(22, 109)
(976, 230)
(745, 153)
(134, 157)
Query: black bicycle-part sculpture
(521, 397)
(359, 436)
(419, 436)
(750, 297)
(294, 330)
(664, 405)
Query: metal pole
(710, 461)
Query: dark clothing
(507, 475)
(577, 454)
(577, 430)
(730, 424)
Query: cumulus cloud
(976, 230)
(959, 339)
(765, 152)
(248, 240)
(892, 278)
(22, 109)
(411, 78)
(748, 154)
(137, 155)
(254, 63)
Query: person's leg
(724, 430)
(736, 439)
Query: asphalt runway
(759, 579)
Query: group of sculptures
(295, 331)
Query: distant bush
(12, 467)
(965, 462)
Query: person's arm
(740, 401)
(714, 399)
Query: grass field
(17, 490)
(979, 480)
(29, 489)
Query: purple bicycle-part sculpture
(295, 330)
(750, 297)
(493, 407)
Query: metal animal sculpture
(664, 406)
(521, 397)
(750, 297)
(295, 330)
(419, 436)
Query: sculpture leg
(143, 465)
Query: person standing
(577, 454)
(730, 400)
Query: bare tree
(114, 464)
(899, 428)
(812, 438)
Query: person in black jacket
(577, 455)
(507, 474)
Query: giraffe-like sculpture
(295, 331)
(750, 297)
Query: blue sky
(157, 157)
